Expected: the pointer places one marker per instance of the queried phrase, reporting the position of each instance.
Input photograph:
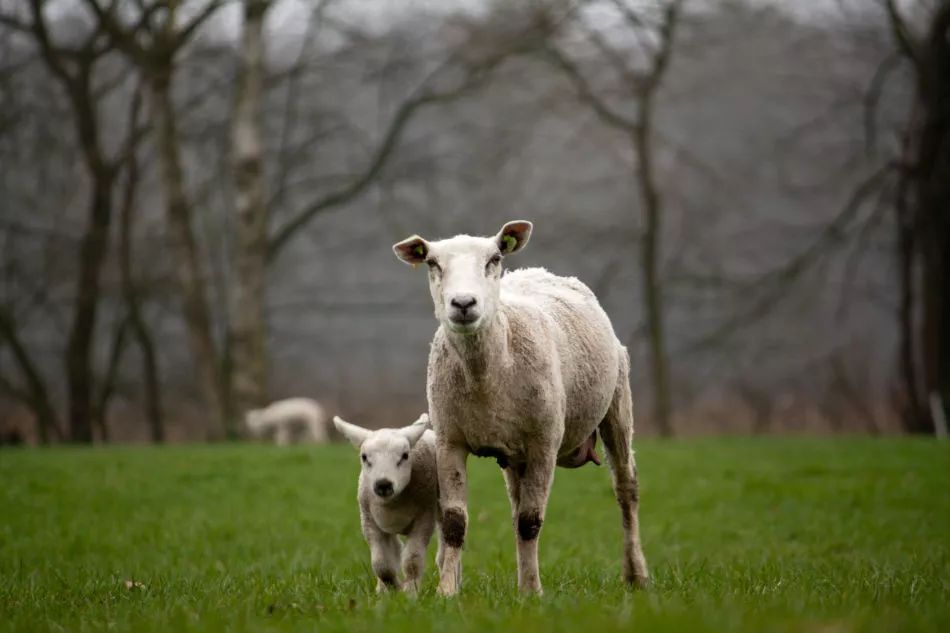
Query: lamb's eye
(434, 265)
(405, 456)
(364, 458)
(495, 259)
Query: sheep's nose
(463, 302)
(383, 488)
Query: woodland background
(198, 198)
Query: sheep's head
(465, 273)
(386, 454)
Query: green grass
(746, 535)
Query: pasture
(741, 535)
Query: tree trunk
(651, 255)
(923, 202)
(137, 323)
(92, 252)
(248, 337)
(36, 395)
(933, 198)
(185, 250)
(913, 414)
(109, 380)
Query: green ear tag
(419, 250)
(510, 243)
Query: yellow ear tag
(419, 251)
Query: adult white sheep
(290, 420)
(397, 495)
(524, 368)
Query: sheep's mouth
(464, 323)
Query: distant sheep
(397, 495)
(524, 368)
(289, 421)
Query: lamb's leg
(534, 486)
(414, 552)
(452, 499)
(617, 433)
(282, 435)
(385, 559)
(384, 552)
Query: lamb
(290, 420)
(397, 495)
(524, 368)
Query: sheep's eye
(365, 459)
(495, 259)
(433, 265)
(405, 456)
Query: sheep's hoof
(637, 581)
(447, 590)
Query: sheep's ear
(514, 236)
(355, 434)
(412, 250)
(415, 431)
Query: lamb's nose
(383, 488)
(463, 302)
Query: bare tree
(638, 65)
(75, 68)
(35, 395)
(923, 220)
(248, 335)
(132, 292)
(151, 39)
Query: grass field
(746, 535)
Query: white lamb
(398, 496)
(288, 421)
(524, 368)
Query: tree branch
(902, 37)
(182, 37)
(585, 91)
(476, 76)
(873, 96)
(776, 281)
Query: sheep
(524, 368)
(290, 420)
(397, 495)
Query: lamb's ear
(415, 431)
(514, 236)
(423, 421)
(412, 250)
(355, 434)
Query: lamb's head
(465, 273)
(254, 422)
(386, 454)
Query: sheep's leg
(440, 550)
(414, 552)
(534, 486)
(513, 484)
(617, 433)
(452, 500)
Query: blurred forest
(198, 199)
